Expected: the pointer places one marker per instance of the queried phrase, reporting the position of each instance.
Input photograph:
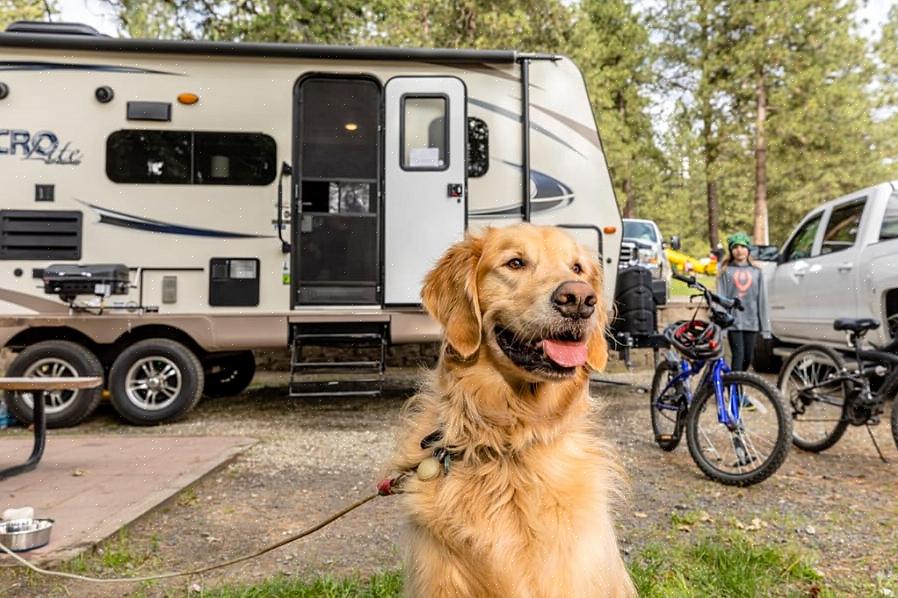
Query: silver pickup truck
(840, 261)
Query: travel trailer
(170, 206)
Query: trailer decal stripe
(115, 218)
(42, 306)
(517, 117)
(16, 65)
(546, 193)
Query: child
(739, 277)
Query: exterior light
(188, 98)
(351, 127)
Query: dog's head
(530, 295)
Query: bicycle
(825, 396)
(736, 426)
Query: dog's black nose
(574, 299)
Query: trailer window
(478, 147)
(424, 133)
(188, 157)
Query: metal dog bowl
(20, 535)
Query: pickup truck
(840, 261)
(643, 245)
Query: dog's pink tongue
(567, 354)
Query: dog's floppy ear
(597, 349)
(450, 295)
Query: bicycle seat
(856, 325)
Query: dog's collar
(440, 453)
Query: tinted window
(233, 159)
(478, 147)
(841, 230)
(148, 157)
(803, 242)
(889, 228)
(186, 157)
(639, 230)
(424, 132)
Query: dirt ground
(317, 456)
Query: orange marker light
(609, 230)
(188, 98)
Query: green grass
(384, 585)
(679, 289)
(724, 565)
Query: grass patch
(680, 289)
(725, 565)
(383, 585)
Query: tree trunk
(630, 205)
(761, 234)
(713, 214)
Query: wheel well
(105, 352)
(892, 312)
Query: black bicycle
(825, 395)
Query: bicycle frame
(728, 415)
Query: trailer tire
(155, 381)
(58, 359)
(229, 376)
(763, 359)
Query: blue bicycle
(736, 427)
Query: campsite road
(315, 457)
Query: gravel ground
(316, 456)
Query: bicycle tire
(666, 436)
(781, 436)
(789, 388)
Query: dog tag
(428, 469)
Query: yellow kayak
(686, 263)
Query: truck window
(889, 228)
(639, 230)
(803, 242)
(841, 230)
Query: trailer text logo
(43, 145)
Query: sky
(98, 14)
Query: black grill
(40, 235)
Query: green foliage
(724, 565)
(22, 10)
(674, 85)
(384, 585)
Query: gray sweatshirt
(747, 283)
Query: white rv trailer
(168, 206)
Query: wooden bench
(42, 385)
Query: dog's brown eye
(578, 269)
(515, 263)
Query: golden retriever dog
(507, 489)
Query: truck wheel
(763, 359)
(154, 381)
(228, 376)
(56, 359)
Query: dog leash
(388, 487)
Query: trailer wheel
(229, 376)
(56, 359)
(155, 381)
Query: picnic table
(42, 384)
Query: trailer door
(425, 179)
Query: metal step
(370, 378)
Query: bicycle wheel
(895, 421)
(750, 450)
(818, 414)
(668, 410)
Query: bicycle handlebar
(711, 297)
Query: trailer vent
(40, 235)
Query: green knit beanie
(738, 239)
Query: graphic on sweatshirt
(742, 280)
